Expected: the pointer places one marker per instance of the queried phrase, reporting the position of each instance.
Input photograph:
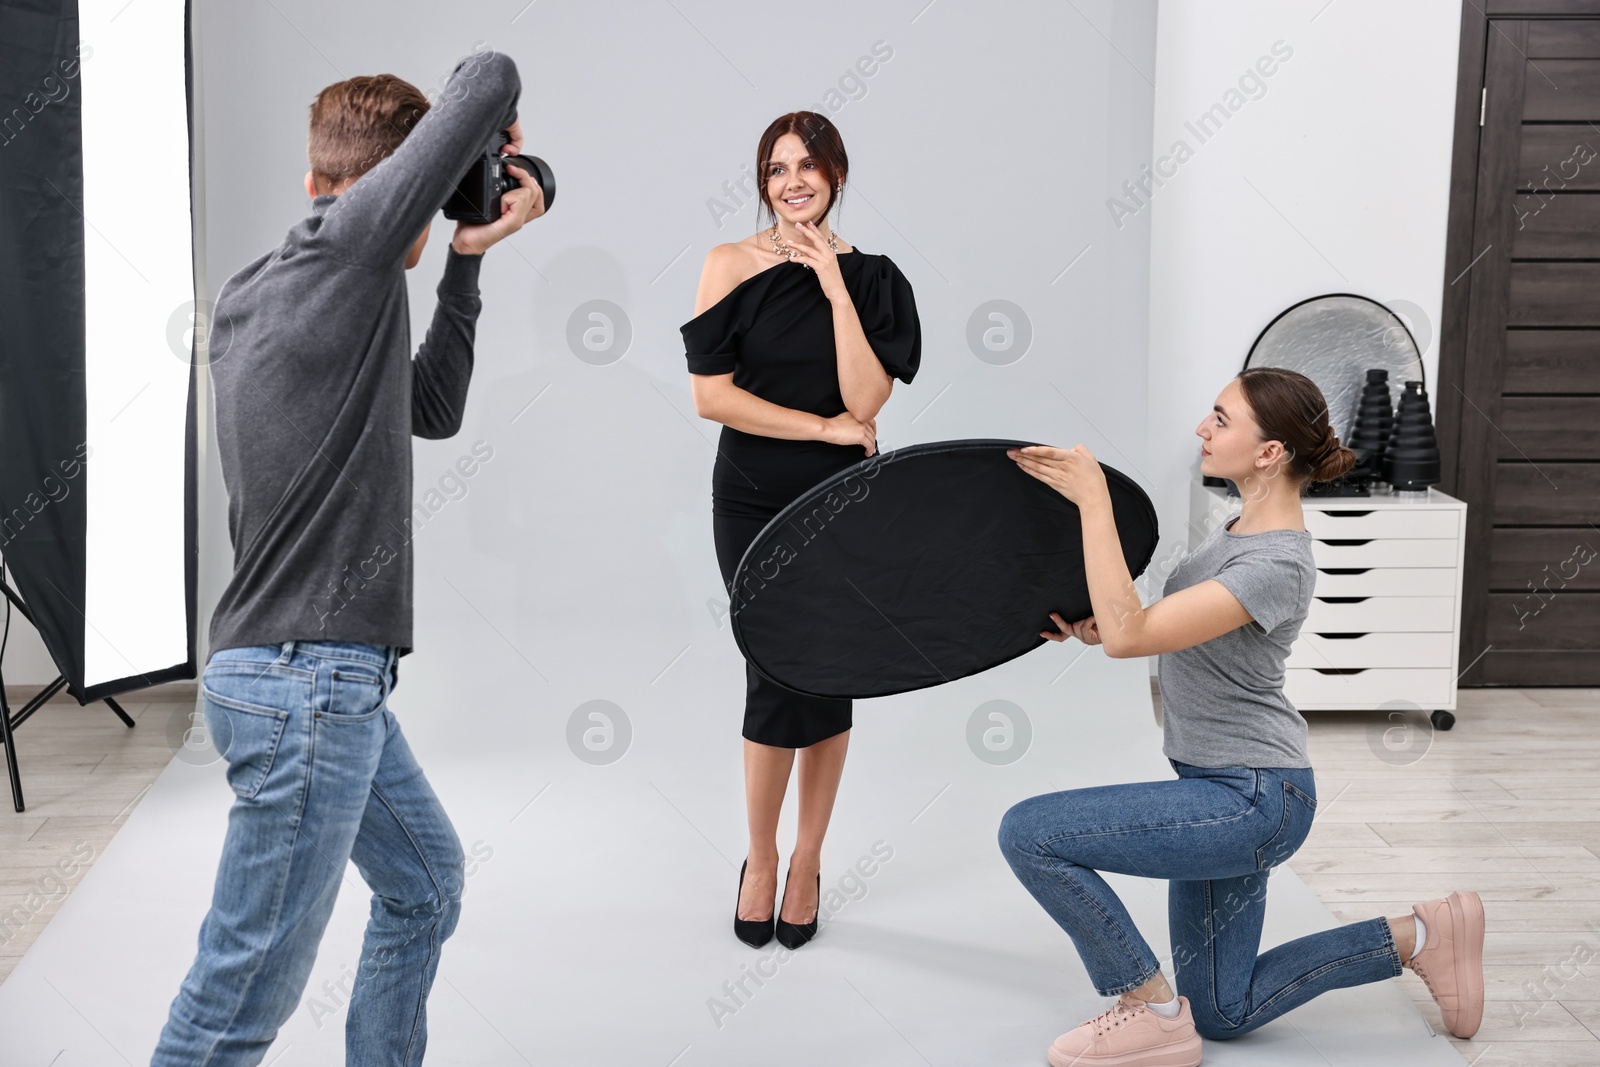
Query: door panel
(1554, 294)
(1561, 90)
(1551, 361)
(1527, 418)
(1549, 427)
(1522, 558)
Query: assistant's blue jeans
(321, 775)
(1214, 834)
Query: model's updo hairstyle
(823, 143)
(1289, 407)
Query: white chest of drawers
(1385, 618)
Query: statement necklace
(791, 253)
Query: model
(795, 344)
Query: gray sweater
(318, 394)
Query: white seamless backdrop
(982, 144)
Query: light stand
(9, 723)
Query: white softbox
(97, 334)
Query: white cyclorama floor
(597, 919)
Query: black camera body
(477, 194)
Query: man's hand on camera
(516, 208)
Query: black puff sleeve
(711, 338)
(888, 312)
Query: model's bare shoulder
(754, 253)
(727, 267)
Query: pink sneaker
(1451, 960)
(1130, 1035)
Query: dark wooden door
(1526, 422)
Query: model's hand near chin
(813, 251)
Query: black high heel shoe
(753, 932)
(793, 935)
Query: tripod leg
(10, 741)
(114, 706)
(39, 700)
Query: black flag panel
(917, 567)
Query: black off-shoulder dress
(774, 332)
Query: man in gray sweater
(317, 398)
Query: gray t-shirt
(319, 394)
(1222, 700)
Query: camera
(477, 194)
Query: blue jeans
(321, 775)
(1214, 834)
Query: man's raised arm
(376, 220)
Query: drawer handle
(1339, 637)
(1348, 514)
(1339, 670)
(1347, 541)
(1343, 570)
(1343, 599)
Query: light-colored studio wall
(1325, 168)
(578, 561)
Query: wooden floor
(83, 772)
(1507, 803)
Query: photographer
(317, 398)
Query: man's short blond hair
(357, 123)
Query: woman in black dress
(794, 346)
